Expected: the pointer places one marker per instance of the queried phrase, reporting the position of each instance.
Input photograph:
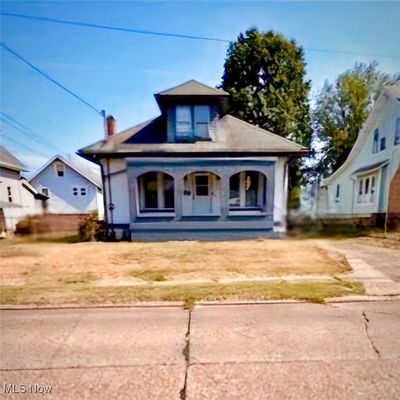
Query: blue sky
(120, 72)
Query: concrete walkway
(366, 262)
(269, 351)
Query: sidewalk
(238, 352)
(376, 283)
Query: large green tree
(340, 111)
(265, 75)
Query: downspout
(110, 204)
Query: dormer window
(192, 121)
(184, 121)
(201, 121)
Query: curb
(180, 304)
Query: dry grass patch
(42, 264)
(189, 293)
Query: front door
(202, 200)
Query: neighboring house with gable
(18, 199)
(70, 188)
(368, 183)
(194, 171)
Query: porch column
(178, 192)
(270, 174)
(133, 194)
(224, 196)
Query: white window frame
(183, 120)
(366, 189)
(201, 121)
(242, 195)
(397, 132)
(62, 169)
(160, 198)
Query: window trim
(62, 170)
(366, 189)
(153, 212)
(194, 120)
(242, 209)
(375, 141)
(397, 132)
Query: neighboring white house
(367, 183)
(18, 198)
(71, 189)
(194, 171)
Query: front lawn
(49, 272)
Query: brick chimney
(111, 126)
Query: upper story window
(184, 120)
(201, 121)
(397, 132)
(383, 143)
(76, 191)
(192, 121)
(376, 141)
(45, 191)
(60, 169)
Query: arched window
(156, 192)
(247, 190)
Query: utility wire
(155, 33)
(38, 70)
(10, 139)
(27, 132)
(112, 28)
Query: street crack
(366, 324)
(186, 354)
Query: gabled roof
(232, 136)
(7, 160)
(91, 177)
(192, 88)
(366, 130)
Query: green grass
(149, 276)
(315, 291)
(81, 278)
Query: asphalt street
(266, 351)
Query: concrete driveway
(269, 351)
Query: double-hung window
(201, 121)
(192, 121)
(184, 125)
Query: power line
(38, 70)
(27, 132)
(22, 145)
(176, 35)
(112, 28)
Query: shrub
(91, 229)
(25, 227)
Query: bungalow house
(18, 198)
(194, 171)
(70, 188)
(367, 185)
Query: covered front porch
(200, 196)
